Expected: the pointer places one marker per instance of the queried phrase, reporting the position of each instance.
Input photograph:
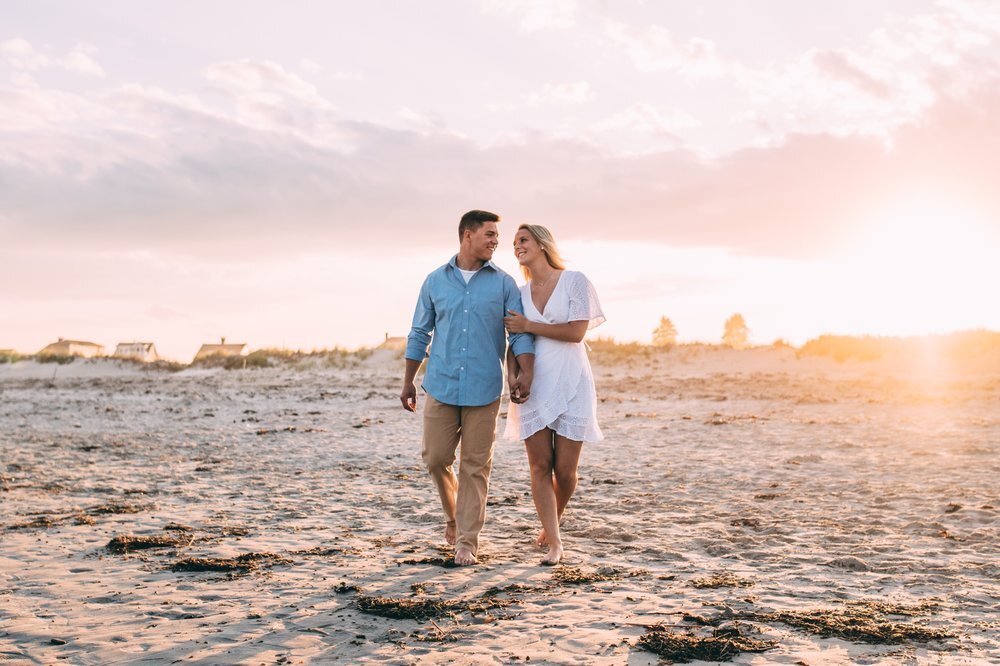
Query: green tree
(736, 334)
(665, 334)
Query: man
(463, 304)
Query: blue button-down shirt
(466, 321)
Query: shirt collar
(453, 262)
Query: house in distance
(141, 351)
(72, 348)
(222, 349)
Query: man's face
(484, 241)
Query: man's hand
(520, 388)
(408, 396)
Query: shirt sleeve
(423, 325)
(520, 343)
(583, 302)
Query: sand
(736, 494)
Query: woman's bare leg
(540, 450)
(564, 477)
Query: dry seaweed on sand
(722, 645)
(115, 507)
(246, 563)
(423, 609)
(860, 622)
(125, 544)
(577, 576)
(38, 522)
(343, 588)
(514, 589)
(437, 634)
(721, 580)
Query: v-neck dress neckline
(531, 298)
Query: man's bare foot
(464, 557)
(554, 556)
(449, 532)
(542, 539)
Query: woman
(560, 413)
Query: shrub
(61, 359)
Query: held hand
(515, 322)
(519, 390)
(408, 396)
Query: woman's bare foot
(554, 556)
(464, 557)
(449, 532)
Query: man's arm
(416, 345)
(408, 396)
(521, 388)
(522, 347)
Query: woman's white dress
(563, 396)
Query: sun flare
(919, 265)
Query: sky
(286, 174)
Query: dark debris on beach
(860, 622)
(721, 580)
(126, 544)
(425, 609)
(242, 564)
(724, 643)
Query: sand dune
(736, 492)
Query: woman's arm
(571, 331)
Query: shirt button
(463, 330)
(462, 368)
(464, 310)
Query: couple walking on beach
(472, 310)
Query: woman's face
(526, 248)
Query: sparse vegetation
(735, 333)
(9, 357)
(958, 346)
(295, 359)
(61, 359)
(665, 334)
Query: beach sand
(749, 494)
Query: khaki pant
(463, 499)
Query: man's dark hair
(474, 219)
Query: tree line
(735, 333)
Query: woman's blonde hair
(548, 245)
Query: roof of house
(393, 343)
(74, 342)
(146, 345)
(237, 347)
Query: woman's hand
(516, 323)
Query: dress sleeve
(583, 302)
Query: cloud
(654, 48)
(648, 119)
(19, 54)
(562, 94)
(838, 66)
(537, 14)
(262, 163)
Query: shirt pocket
(489, 311)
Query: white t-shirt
(468, 274)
